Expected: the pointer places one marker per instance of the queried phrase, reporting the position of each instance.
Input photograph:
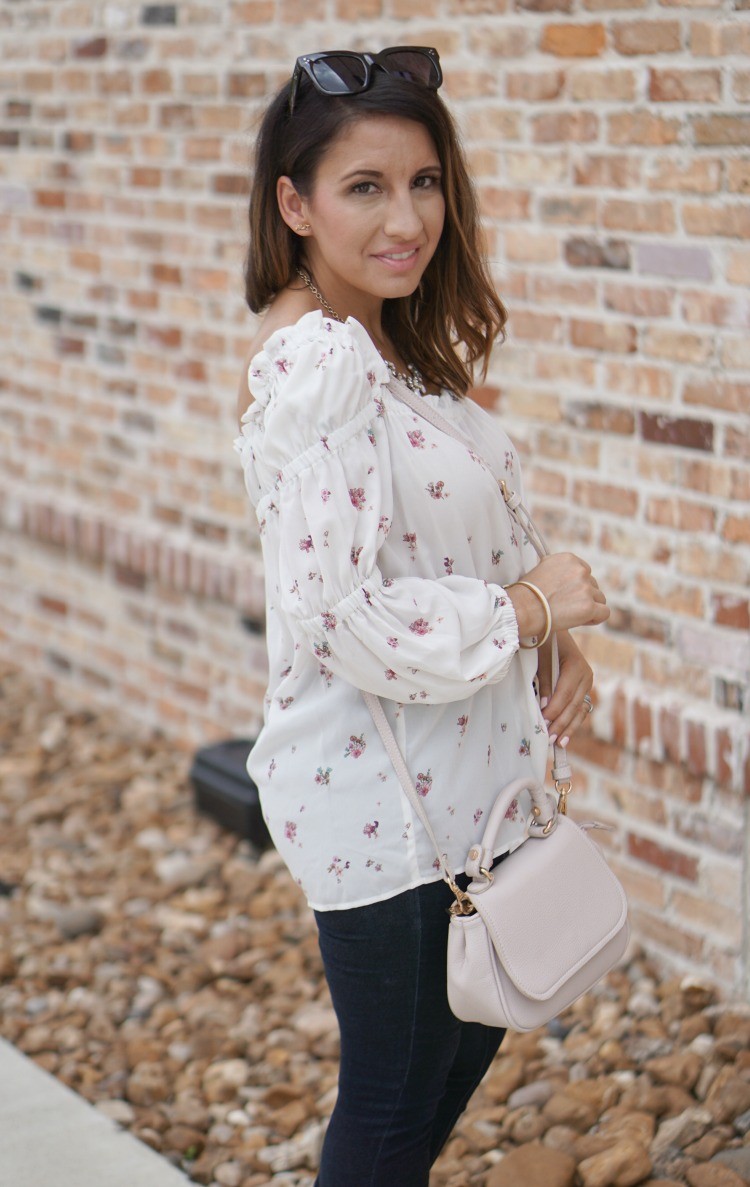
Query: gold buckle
(563, 791)
(463, 904)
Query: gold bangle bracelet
(547, 614)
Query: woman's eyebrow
(364, 172)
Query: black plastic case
(225, 791)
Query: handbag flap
(552, 905)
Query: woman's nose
(403, 220)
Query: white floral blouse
(386, 545)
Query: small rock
(148, 1084)
(533, 1166)
(117, 1110)
(728, 1097)
(712, 1174)
(222, 1081)
(679, 1069)
(622, 1165)
(742, 1123)
(681, 1130)
(229, 1174)
(737, 1160)
(537, 1093)
(179, 870)
(78, 921)
(564, 1109)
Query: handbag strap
(561, 772)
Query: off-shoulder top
(386, 546)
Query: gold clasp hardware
(563, 791)
(463, 904)
(503, 488)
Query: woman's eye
(427, 181)
(363, 187)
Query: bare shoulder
(288, 308)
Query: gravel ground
(163, 971)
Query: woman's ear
(292, 207)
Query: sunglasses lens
(413, 65)
(339, 74)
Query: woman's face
(376, 212)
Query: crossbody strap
(561, 770)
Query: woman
(387, 548)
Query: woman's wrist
(531, 615)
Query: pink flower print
(509, 461)
(496, 555)
(290, 830)
(324, 442)
(448, 564)
(325, 494)
(500, 601)
(436, 489)
(326, 673)
(271, 767)
(410, 539)
(371, 830)
(306, 545)
(489, 754)
(357, 496)
(512, 813)
(366, 596)
(481, 676)
(380, 407)
(355, 747)
(355, 554)
(420, 626)
(284, 702)
(390, 674)
(384, 524)
(282, 365)
(478, 815)
(499, 643)
(323, 777)
(294, 588)
(286, 671)
(338, 867)
(451, 810)
(503, 727)
(371, 436)
(387, 582)
(416, 438)
(329, 620)
(392, 641)
(372, 378)
(321, 363)
(462, 723)
(423, 782)
(322, 650)
(377, 865)
(525, 748)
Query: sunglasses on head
(340, 72)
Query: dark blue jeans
(408, 1066)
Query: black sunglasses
(334, 72)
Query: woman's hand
(570, 588)
(566, 711)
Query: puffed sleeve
(325, 446)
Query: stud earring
(302, 227)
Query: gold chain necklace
(412, 379)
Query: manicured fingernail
(564, 741)
(553, 739)
(544, 702)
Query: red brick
(677, 345)
(608, 86)
(696, 748)
(588, 253)
(671, 861)
(732, 611)
(569, 210)
(640, 379)
(623, 214)
(534, 87)
(642, 127)
(738, 177)
(602, 496)
(557, 127)
(614, 337)
(722, 129)
(647, 37)
(684, 86)
(608, 171)
(486, 396)
(573, 41)
(702, 176)
(668, 430)
(638, 300)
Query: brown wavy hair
(453, 318)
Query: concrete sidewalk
(49, 1137)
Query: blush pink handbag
(532, 934)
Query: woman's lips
(399, 261)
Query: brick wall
(611, 143)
